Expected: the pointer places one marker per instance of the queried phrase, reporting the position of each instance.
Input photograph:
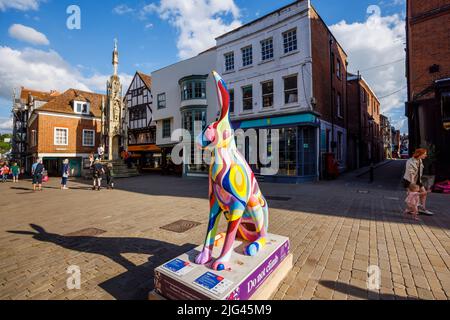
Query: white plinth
(182, 279)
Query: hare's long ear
(31, 233)
(223, 96)
(38, 228)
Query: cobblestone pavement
(337, 229)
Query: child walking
(4, 172)
(15, 170)
(412, 200)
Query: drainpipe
(360, 142)
(331, 94)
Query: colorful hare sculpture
(233, 189)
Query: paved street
(337, 229)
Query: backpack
(39, 169)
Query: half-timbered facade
(141, 127)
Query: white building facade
(184, 93)
(267, 65)
(284, 71)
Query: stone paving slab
(335, 232)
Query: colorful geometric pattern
(233, 189)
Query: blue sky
(150, 38)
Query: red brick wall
(46, 125)
(429, 43)
(354, 107)
(320, 36)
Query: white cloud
(122, 9)
(378, 41)
(198, 22)
(22, 5)
(45, 70)
(6, 124)
(27, 34)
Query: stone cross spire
(115, 60)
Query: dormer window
(81, 107)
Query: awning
(145, 147)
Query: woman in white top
(101, 151)
(413, 174)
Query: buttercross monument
(114, 127)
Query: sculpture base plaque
(249, 278)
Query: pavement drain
(278, 198)
(88, 232)
(180, 226)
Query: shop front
(148, 157)
(54, 166)
(168, 167)
(297, 146)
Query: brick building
(23, 105)
(385, 127)
(365, 140)
(67, 127)
(428, 73)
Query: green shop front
(54, 165)
(298, 146)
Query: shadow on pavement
(137, 281)
(338, 198)
(357, 292)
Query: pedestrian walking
(65, 174)
(4, 171)
(412, 200)
(109, 176)
(15, 170)
(413, 174)
(97, 172)
(91, 159)
(101, 151)
(37, 170)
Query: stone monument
(114, 127)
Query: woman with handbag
(65, 174)
(413, 174)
